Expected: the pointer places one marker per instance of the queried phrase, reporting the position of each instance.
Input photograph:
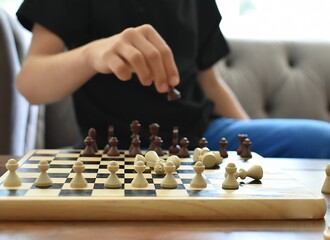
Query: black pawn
(135, 147)
(241, 138)
(89, 149)
(173, 95)
(223, 148)
(111, 131)
(158, 146)
(113, 150)
(175, 148)
(135, 129)
(202, 142)
(246, 149)
(154, 129)
(184, 152)
(92, 134)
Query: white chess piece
(176, 160)
(209, 160)
(255, 172)
(159, 168)
(43, 180)
(78, 181)
(12, 180)
(139, 180)
(113, 181)
(218, 158)
(139, 157)
(326, 233)
(151, 158)
(196, 154)
(326, 184)
(230, 181)
(198, 181)
(169, 181)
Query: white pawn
(12, 179)
(230, 181)
(326, 184)
(198, 181)
(326, 233)
(139, 180)
(169, 180)
(176, 160)
(43, 180)
(78, 181)
(113, 181)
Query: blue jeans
(296, 138)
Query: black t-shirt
(190, 28)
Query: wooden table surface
(309, 171)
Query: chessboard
(275, 196)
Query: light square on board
(128, 186)
(172, 193)
(42, 192)
(108, 193)
(39, 158)
(67, 186)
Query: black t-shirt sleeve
(212, 44)
(66, 19)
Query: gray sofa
(272, 79)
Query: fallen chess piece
(255, 172)
(209, 158)
(159, 168)
(151, 158)
(140, 157)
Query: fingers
(142, 51)
(172, 75)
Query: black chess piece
(184, 152)
(241, 138)
(223, 147)
(175, 148)
(246, 149)
(135, 147)
(89, 149)
(154, 129)
(113, 150)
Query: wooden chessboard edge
(163, 209)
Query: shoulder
(64, 18)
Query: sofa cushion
(279, 79)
